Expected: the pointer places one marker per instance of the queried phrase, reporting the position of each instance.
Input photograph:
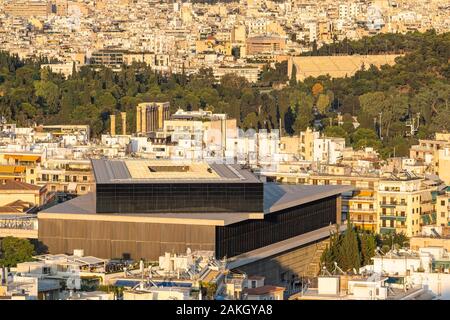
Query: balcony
(364, 222)
(387, 230)
(369, 210)
(388, 204)
(392, 217)
(356, 198)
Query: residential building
(404, 205)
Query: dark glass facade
(179, 197)
(241, 237)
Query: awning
(21, 157)
(365, 193)
(12, 169)
(72, 186)
(426, 219)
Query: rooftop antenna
(336, 267)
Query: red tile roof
(9, 184)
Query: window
(84, 178)
(442, 202)
(83, 188)
(32, 171)
(442, 214)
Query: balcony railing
(387, 229)
(392, 203)
(362, 209)
(393, 217)
(388, 204)
(364, 222)
(356, 198)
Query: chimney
(124, 122)
(113, 124)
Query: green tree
(368, 244)
(335, 131)
(349, 257)
(331, 254)
(15, 250)
(293, 80)
(365, 138)
(323, 103)
(251, 121)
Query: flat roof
(168, 171)
(281, 196)
(276, 197)
(84, 208)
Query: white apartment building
(328, 150)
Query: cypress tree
(349, 256)
(367, 248)
(293, 80)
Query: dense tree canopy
(15, 250)
(417, 83)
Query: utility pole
(381, 132)
(281, 132)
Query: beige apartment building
(382, 205)
(435, 154)
(61, 175)
(362, 209)
(18, 8)
(443, 208)
(249, 72)
(265, 44)
(12, 191)
(301, 146)
(404, 205)
(442, 164)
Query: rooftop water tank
(78, 252)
